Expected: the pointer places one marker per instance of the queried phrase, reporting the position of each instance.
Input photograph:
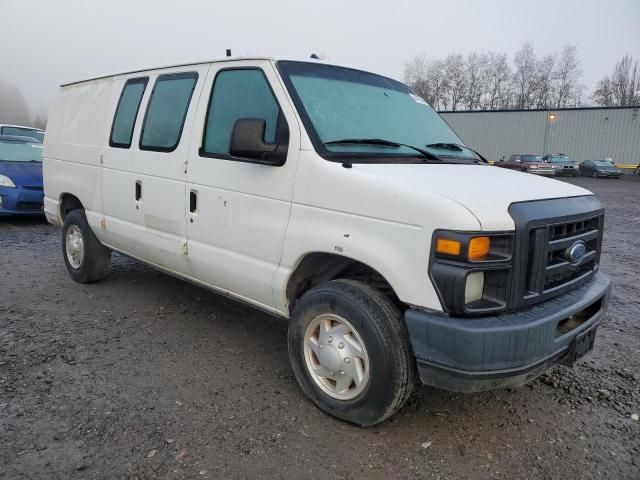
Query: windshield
(560, 158)
(604, 163)
(13, 151)
(343, 104)
(23, 131)
(531, 158)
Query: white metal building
(582, 133)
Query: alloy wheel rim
(336, 357)
(74, 244)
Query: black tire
(381, 327)
(96, 258)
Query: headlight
(474, 287)
(6, 182)
(472, 247)
(471, 271)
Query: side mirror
(247, 141)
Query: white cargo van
(339, 200)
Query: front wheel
(350, 352)
(86, 259)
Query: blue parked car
(21, 191)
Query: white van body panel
(365, 217)
(75, 136)
(255, 224)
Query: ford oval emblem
(576, 252)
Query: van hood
(485, 191)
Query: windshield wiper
(457, 147)
(386, 143)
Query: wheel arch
(69, 202)
(318, 267)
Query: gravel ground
(145, 376)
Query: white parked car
(336, 199)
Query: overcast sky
(45, 43)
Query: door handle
(193, 201)
(138, 190)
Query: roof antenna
(314, 56)
(228, 52)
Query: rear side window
(125, 117)
(166, 112)
(240, 93)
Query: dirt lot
(145, 376)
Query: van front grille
(557, 247)
(550, 266)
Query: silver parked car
(562, 164)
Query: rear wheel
(350, 351)
(86, 259)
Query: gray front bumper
(506, 350)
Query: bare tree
(476, 72)
(542, 85)
(498, 75)
(13, 107)
(416, 75)
(567, 77)
(603, 93)
(489, 81)
(525, 66)
(427, 79)
(454, 69)
(439, 84)
(625, 82)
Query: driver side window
(240, 93)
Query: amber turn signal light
(448, 247)
(479, 248)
